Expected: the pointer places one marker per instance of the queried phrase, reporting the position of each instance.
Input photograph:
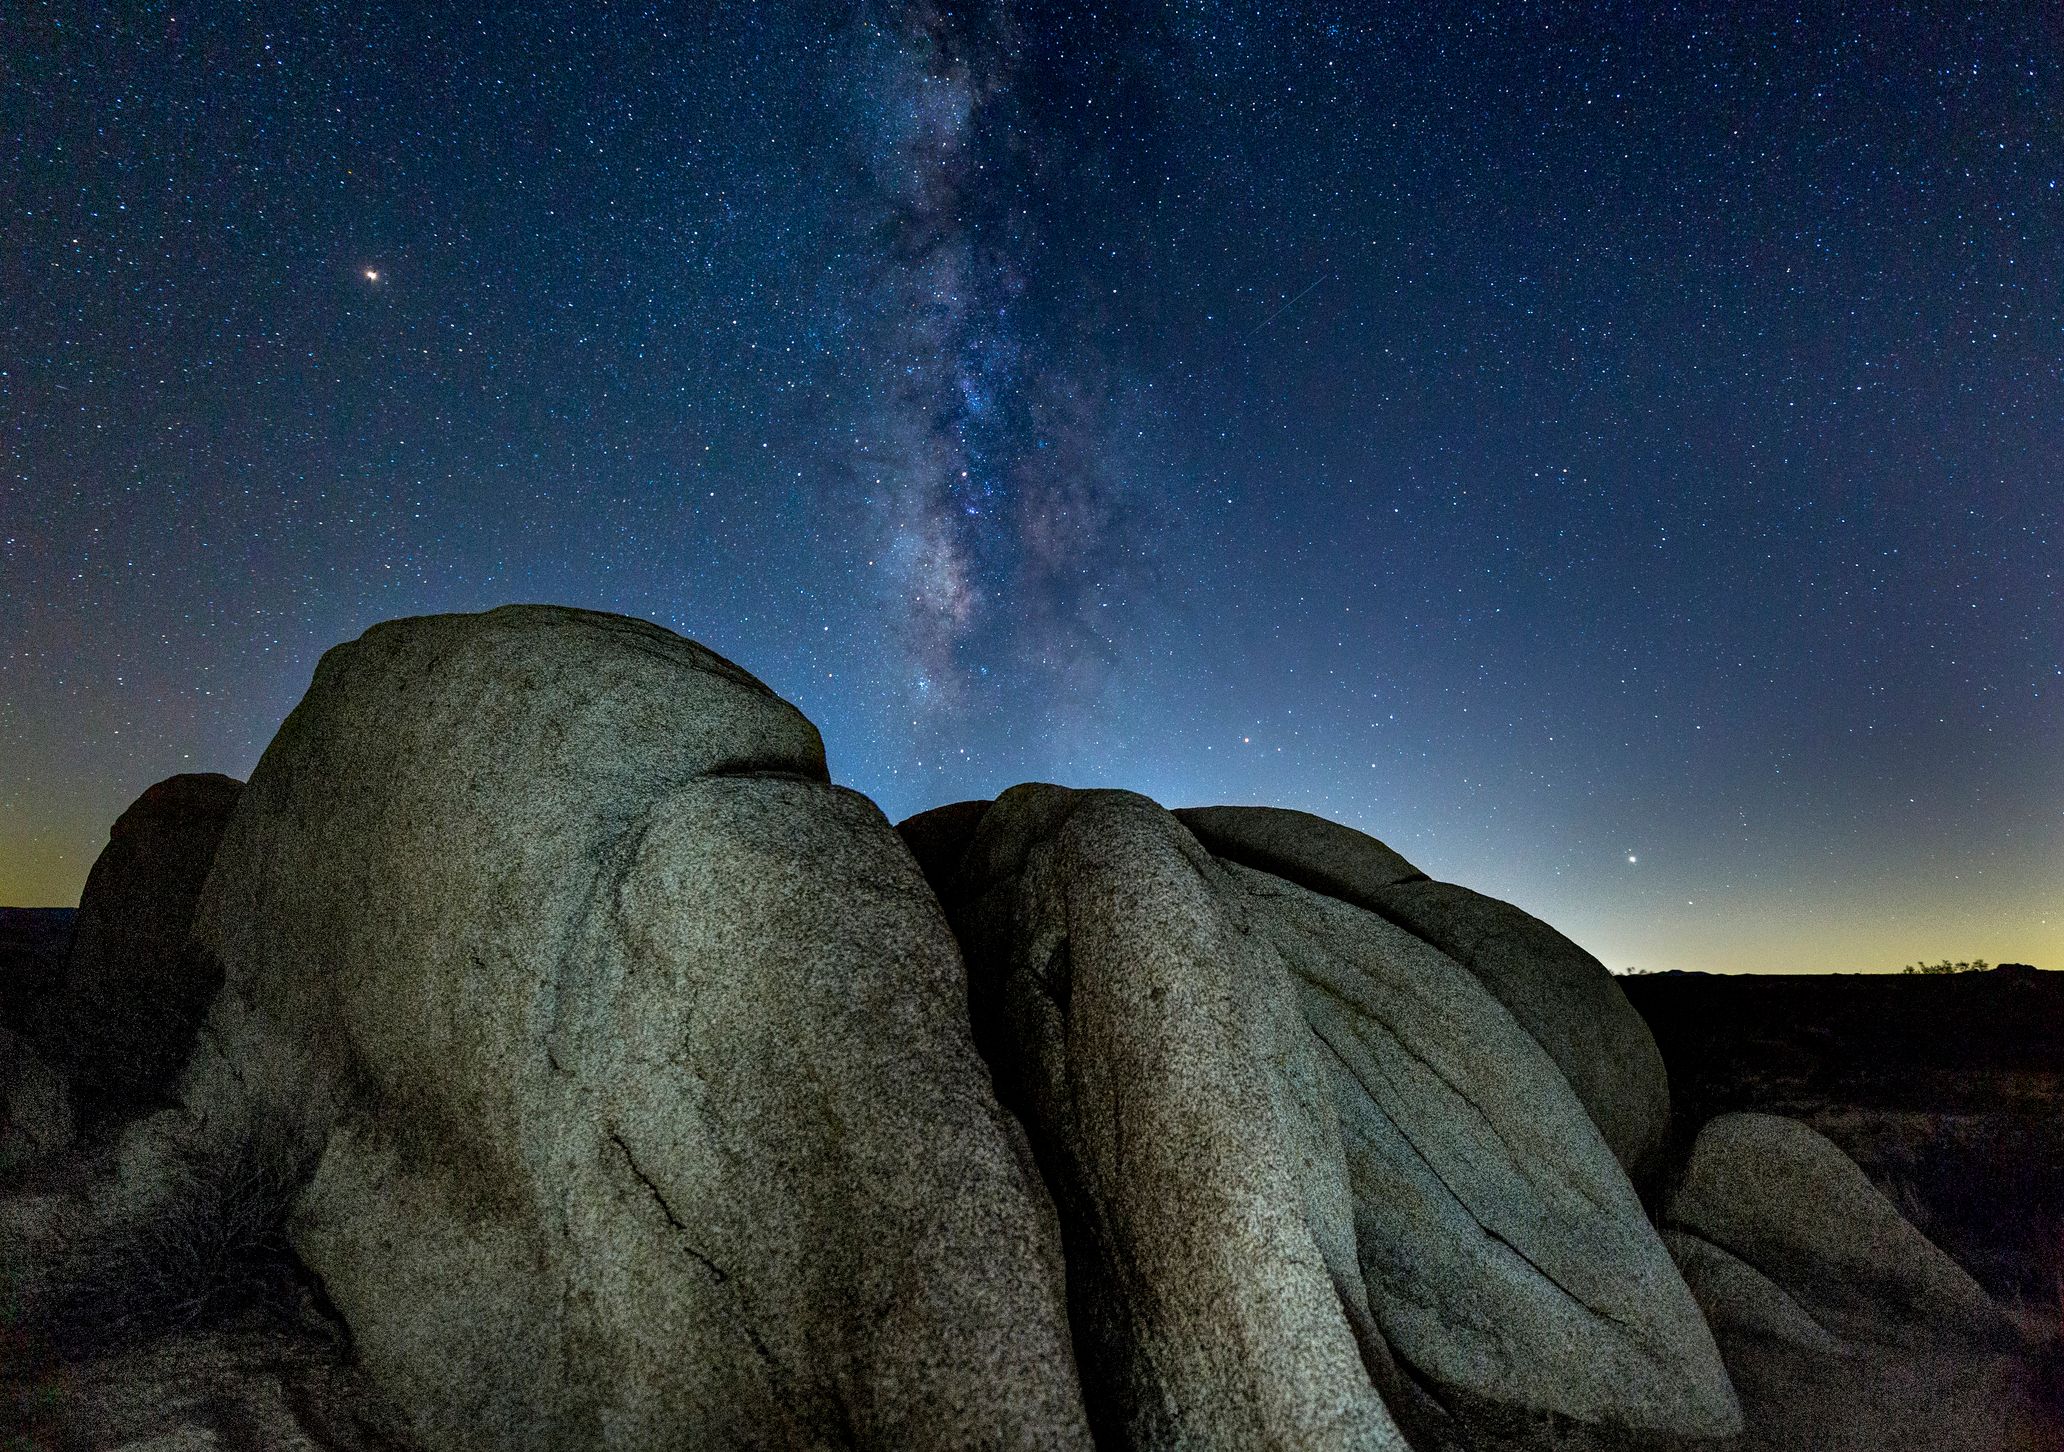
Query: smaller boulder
(1301, 848)
(1843, 1328)
(1565, 998)
(939, 838)
(1740, 1301)
(122, 1022)
(1781, 1197)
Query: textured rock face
(1843, 1326)
(1181, 1109)
(632, 1057)
(122, 1021)
(1564, 997)
(1290, 1140)
(1507, 1255)
(262, 1387)
(1560, 994)
(1301, 848)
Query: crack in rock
(721, 1276)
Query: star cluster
(1611, 454)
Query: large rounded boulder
(1565, 998)
(1317, 1184)
(122, 1020)
(629, 1058)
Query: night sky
(1613, 454)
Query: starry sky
(1614, 454)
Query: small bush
(1974, 965)
(216, 1246)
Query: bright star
(372, 274)
(1632, 858)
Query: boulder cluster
(579, 1067)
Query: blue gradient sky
(1611, 454)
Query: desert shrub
(214, 1246)
(1973, 965)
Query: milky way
(987, 439)
(1609, 453)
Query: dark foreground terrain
(541, 1052)
(33, 944)
(1947, 1089)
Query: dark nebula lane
(988, 407)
